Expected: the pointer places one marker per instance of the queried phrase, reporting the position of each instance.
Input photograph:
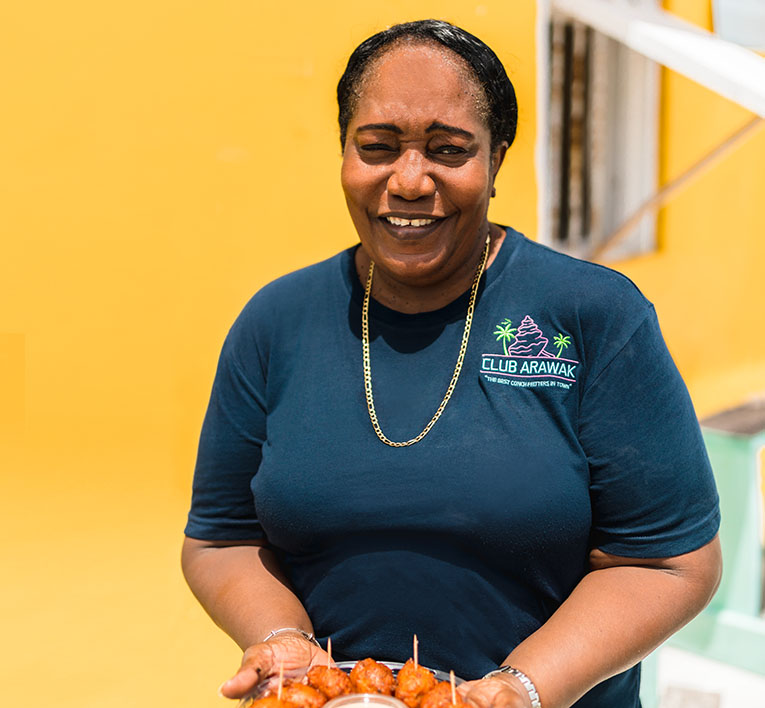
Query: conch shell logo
(526, 363)
(529, 340)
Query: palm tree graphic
(505, 332)
(561, 342)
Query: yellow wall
(708, 278)
(161, 161)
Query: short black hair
(484, 64)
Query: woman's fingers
(495, 692)
(264, 660)
(256, 665)
(241, 683)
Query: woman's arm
(619, 612)
(243, 589)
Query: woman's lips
(410, 227)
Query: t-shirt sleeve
(651, 484)
(233, 432)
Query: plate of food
(358, 684)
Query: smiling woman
(418, 171)
(556, 515)
(419, 163)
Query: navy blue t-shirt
(569, 428)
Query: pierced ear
(493, 191)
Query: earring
(493, 191)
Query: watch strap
(527, 683)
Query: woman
(554, 512)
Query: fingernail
(220, 689)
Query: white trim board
(723, 67)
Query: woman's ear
(498, 157)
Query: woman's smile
(411, 227)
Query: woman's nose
(410, 178)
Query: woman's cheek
(360, 182)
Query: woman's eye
(449, 150)
(374, 147)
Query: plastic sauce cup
(365, 700)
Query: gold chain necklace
(457, 368)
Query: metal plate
(270, 684)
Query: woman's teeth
(397, 221)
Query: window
(602, 128)
(597, 129)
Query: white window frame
(618, 156)
(726, 68)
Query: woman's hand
(263, 660)
(243, 588)
(495, 692)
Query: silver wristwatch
(295, 630)
(528, 684)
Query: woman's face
(417, 166)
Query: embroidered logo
(526, 361)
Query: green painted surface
(649, 684)
(727, 636)
(734, 460)
(731, 629)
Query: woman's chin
(420, 270)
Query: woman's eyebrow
(380, 126)
(448, 129)
(391, 127)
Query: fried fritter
(269, 701)
(298, 695)
(369, 676)
(413, 682)
(331, 681)
(441, 697)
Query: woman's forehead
(408, 63)
(421, 78)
